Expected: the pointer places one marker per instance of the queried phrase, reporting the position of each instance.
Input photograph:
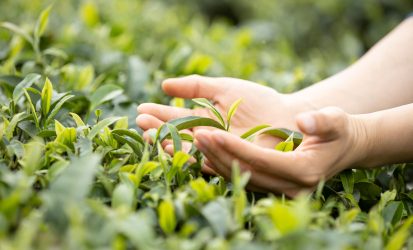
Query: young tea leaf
(176, 139)
(27, 82)
(19, 31)
(100, 125)
(42, 23)
(57, 107)
(250, 133)
(232, 111)
(46, 96)
(284, 133)
(287, 145)
(167, 219)
(206, 104)
(188, 122)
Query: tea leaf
(33, 110)
(347, 179)
(176, 139)
(13, 123)
(131, 143)
(103, 94)
(247, 135)
(57, 107)
(232, 111)
(205, 103)
(27, 82)
(100, 125)
(77, 119)
(131, 133)
(186, 123)
(398, 239)
(46, 96)
(16, 29)
(284, 134)
(123, 196)
(42, 23)
(167, 219)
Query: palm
(260, 105)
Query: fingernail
(218, 138)
(308, 121)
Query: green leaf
(57, 107)
(131, 133)
(347, 179)
(398, 239)
(247, 135)
(79, 122)
(284, 133)
(176, 139)
(123, 196)
(13, 123)
(167, 219)
(33, 152)
(368, 190)
(42, 23)
(186, 123)
(103, 94)
(46, 96)
(27, 82)
(126, 140)
(179, 159)
(100, 125)
(144, 169)
(74, 183)
(206, 104)
(32, 109)
(19, 31)
(287, 145)
(393, 212)
(232, 111)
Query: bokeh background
(285, 44)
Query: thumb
(327, 122)
(193, 86)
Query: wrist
(299, 102)
(364, 139)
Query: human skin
(333, 139)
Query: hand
(260, 105)
(333, 141)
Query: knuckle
(310, 179)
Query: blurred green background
(285, 44)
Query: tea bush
(75, 172)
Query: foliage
(75, 172)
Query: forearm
(387, 136)
(381, 79)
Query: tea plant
(75, 173)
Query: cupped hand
(260, 105)
(333, 141)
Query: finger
(214, 163)
(290, 166)
(164, 112)
(145, 122)
(250, 185)
(186, 147)
(327, 122)
(148, 138)
(193, 86)
(275, 184)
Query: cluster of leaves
(74, 175)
